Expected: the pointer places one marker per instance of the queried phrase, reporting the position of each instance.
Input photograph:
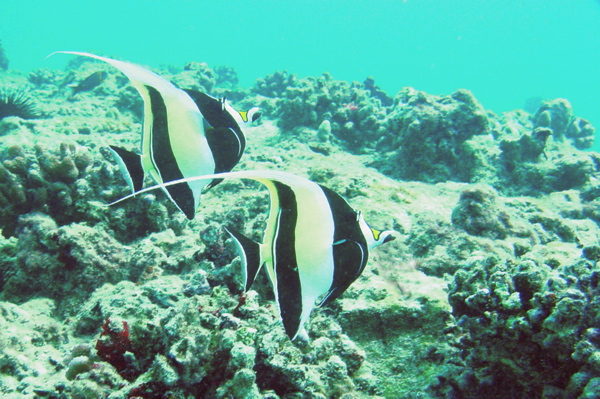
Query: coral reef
(275, 85)
(531, 325)
(557, 115)
(62, 263)
(433, 139)
(353, 110)
(196, 76)
(490, 289)
(437, 138)
(56, 182)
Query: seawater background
(505, 51)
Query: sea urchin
(17, 103)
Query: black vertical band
(164, 158)
(289, 288)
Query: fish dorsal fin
(130, 165)
(350, 258)
(249, 253)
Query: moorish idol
(186, 133)
(314, 246)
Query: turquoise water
(504, 51)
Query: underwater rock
(528, 148)
(64, 263)
(354, 114)
(130, 101)
(324, 131)
(29, 337)
(510, 125)
(275, 85)
(548, 310)
(523, 269)
(581, 133)
(478, 214)
(42, 180)
(556, 115)
(62, 167)
(226, 77)
(8, 252)
(376, 92)
(44, 77)
(565, 172)
(70, 182)
(78, 365)
(188, 348)
(426, 137)
(535, 163)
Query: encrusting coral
(351, 109)
(431, 139)
(531, 324)
(50, 181)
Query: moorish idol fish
(314, 246)
(89, 83)
(186, 133)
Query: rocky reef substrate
(489, 290)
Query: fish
(89, 83)
(315, 244)
(185, 133)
